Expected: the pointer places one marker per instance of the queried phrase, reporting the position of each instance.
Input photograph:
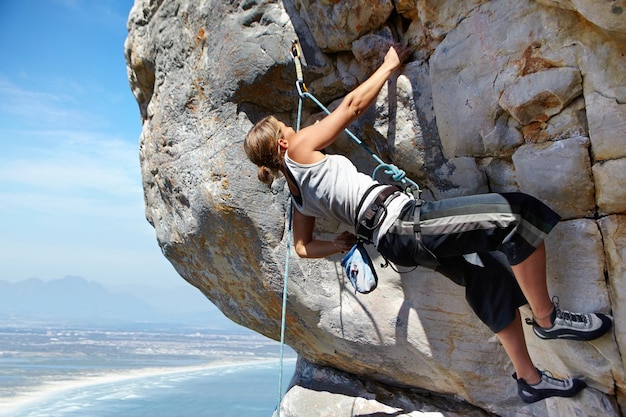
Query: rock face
(498, 96)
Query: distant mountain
(70, 296)
(76, 299)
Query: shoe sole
(540, 395)
(552, 394)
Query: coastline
(39, 393)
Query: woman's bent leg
(517, 225)
(531, 276)
(513, 223)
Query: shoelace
(550, 379)
(569, 317)
(572, 317)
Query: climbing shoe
(572, 326)
(549, 386)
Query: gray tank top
(331, 188)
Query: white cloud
(47, 108)
(69, 165)
(99, 11)
(50, 142)
(81, 163)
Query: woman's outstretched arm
(310, 140)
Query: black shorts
(491, 289)
(503, 229)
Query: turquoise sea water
(120, 372)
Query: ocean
(61, 370)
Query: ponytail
(261, 146)
(266, 175)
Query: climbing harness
(396, 174)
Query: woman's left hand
(344, 241)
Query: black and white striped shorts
(500, 229)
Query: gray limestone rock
(538, 96)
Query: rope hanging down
(284, 312)
(393, 171)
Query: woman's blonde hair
(261, 146)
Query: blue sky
(71, 201)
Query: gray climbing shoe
(549, 386)
(572, 326)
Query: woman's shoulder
(297, 159)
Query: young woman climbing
(492, 244)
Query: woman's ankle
(532, 376)
(547, 320)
